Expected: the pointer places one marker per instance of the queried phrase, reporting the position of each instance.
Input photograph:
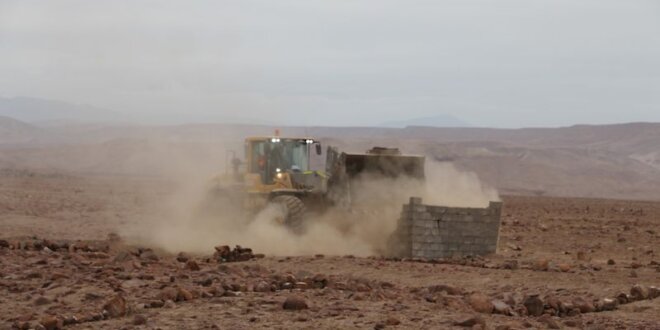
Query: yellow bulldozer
(277, 171)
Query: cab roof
(266, 138)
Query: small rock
(184, 295)
(148, 254)
(450, 290)
(122, 256)
(583, 305)
(480, 303)
(169, 304)
(156, 304)
(534, 305)
(611, 262)
(206, 282)
(564, 267)
(654, 292)
(639, 292)
(500, 307)
(262, 286)
(294, 303)
(622, 298)
(192, 265)
(608, 304)
(69, 320)
(392, 321)
(182, 257)
(470, 322)
(552, 302)
(549, 321)
(42, 301)
(51, 323)
(116, 307)
(582, 256)
(168, 293)
(319, 281)
(541, 264)
(139, 319)
(510, 264)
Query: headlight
(279, 175)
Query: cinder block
(418, 208)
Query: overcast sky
(505, 63)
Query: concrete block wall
(428, 231)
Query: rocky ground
(561, 263)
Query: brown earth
(61, 266)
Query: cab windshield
(284, 154)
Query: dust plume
(361, 230)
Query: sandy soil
(60, 265)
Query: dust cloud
(361, 230)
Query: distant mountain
(434, 121)
(13, 131)
(45, 112)
(617, 161)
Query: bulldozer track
(295, 210)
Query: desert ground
(69, 257)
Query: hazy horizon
(508, 64)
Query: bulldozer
(277, 171)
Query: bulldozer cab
(268, 156)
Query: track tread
(295, 211)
